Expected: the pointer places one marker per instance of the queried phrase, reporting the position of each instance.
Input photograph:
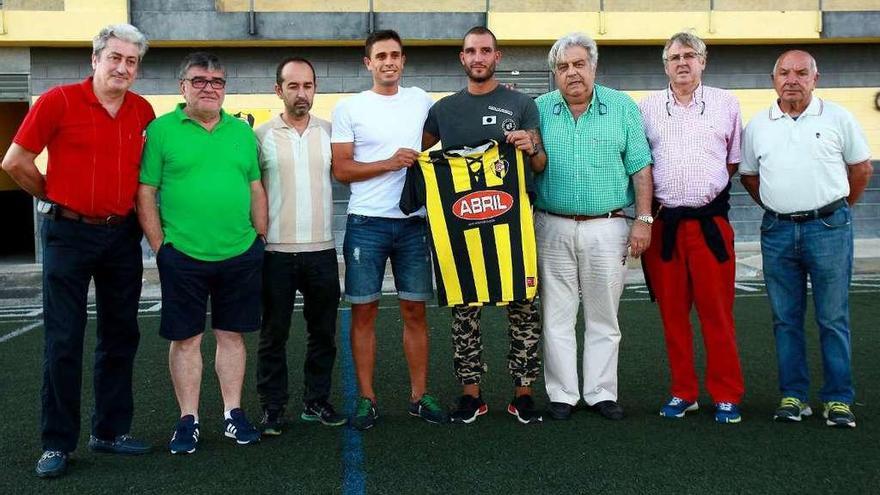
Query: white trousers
(581, 263)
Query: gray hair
(685, 38)
(124, 32)
(204, 60)
(572, 40)
(813, 67)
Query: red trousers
(695, 277)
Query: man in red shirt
(94, 134)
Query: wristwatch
(648, 219)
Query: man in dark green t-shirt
(207, 233)
(485, 109)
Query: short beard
(490, 73)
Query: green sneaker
(791, 409)
(428, 409)
(839, 414)
(366, 414)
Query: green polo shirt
(203, 180)
(590, 161)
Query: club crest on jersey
(500, 168)
(509, 125)
(482, 205)
(531, 282)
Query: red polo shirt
(94, 158)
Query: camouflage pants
(524, 331)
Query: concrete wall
(437, 69)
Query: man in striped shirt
(300, 252)
(694, 132)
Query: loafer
(609, 409)
(52, 463)
(122, 444)
(560, 410)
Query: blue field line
(354, 480)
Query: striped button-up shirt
(296, 176)
(590, 160)
(692, 144)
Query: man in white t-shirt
(375, 137)
(806, 161)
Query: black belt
(618, 213)
(67, 214)
(803, 216)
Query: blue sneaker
(186, 436)
(727, 412)
(240, 429)
(122, 444)
(52, 463)
(677, 408)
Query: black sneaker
(560, 410)
(523, 407)
(428, 409)
(366, 414)
(122, 444)
(322, 412)
(272, 421)
(52, 463)
(186, 436)
(609, 409)
(468, 408)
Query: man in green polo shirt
(598, 162)
(207, 234)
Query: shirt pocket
(825, 145)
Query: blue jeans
(370, 242)
(822, 249)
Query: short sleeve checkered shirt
(590, 161)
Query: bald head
(794, 79)
(798, 54)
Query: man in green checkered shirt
(598, 162)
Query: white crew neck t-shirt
(378, 126)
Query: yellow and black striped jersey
(480, 220)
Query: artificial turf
(642, 454)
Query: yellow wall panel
(77, 24)
(628, 27)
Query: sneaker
(468, 408)
(727, 412)
(677, 408)
(322, 412)
(609, 409)
(239, 428)
(366, 414)
(428, 409)
(52, 463)
(186, 436)
(560, 410)
(122, 444)
(272, 421)
(791, 409)
(838, 414)
(523, 407)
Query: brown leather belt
(67, 214)
(583, 218)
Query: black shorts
(233, 285)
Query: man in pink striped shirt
(694, 133)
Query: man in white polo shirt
(806, 161)
(300, 252)
(375, 137)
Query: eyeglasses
(687, 57)
(202, 83)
